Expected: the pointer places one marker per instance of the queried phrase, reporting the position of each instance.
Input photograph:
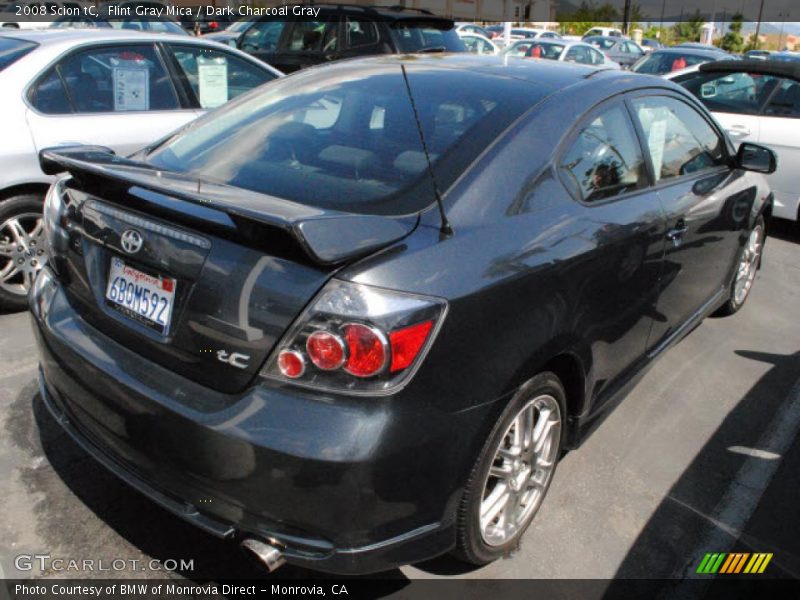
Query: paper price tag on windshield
(212, 76)
(131, 89)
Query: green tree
(689, 30)
(733, 40)
(586, 16)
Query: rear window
(426, 36)
(346, 138)
(658, 63)
(11, 50)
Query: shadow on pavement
(668, 544)
(788, 231)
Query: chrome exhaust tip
(270, 555)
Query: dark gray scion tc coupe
(366, 308)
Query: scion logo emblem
(131, 241)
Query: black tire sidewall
(470, 545)
(9, 207)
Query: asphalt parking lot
(702, 456)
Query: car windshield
(346, 138)
(11, 50)
(421, 36)
(658, 63)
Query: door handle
(676, 234)
(739, 130)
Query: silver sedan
(563, 50)
(123, 90)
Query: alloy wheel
(748, 265)
(521, 470)
(22, 252)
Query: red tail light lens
(367, 350)
(358, 339)
(406, 344)
(291, 364)
(325, 350)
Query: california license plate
(145, 298)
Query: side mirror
(752, 157)
(48, 157)
(708, 90)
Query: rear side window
(118, 79)
(786, 101)
(348, 139)
(422, 36)
(313, 36)
(215, 76)
(49, 96)
(11, 50)
(605, 159)
(680, 140)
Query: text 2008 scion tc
(271, 309)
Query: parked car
(497, 33)
(648, 45)
(230, 34)
(757, 54)
(757, 101)
(620, 50)
(121, 89)
(785, 56)
(477, 44)
(33, 14)
(663, 61)
(604, 32)
(295, 233)
(577, 52)
(144, 24)
(472, 29)
(344, 31)
(204, 24)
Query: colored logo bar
(731, 563)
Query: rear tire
(22, 248)
(746, 270)
(513, 472)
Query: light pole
(758, 24)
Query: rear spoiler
(328, 237)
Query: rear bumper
(344, 485)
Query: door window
(738, 93)
(605, 159)
(679, 139)
(313, 36)
(111, 79)
(361, 33)
(786, 101)
(263, 36)
(216, 76)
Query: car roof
(762, 67)
(691, 50)
(549, 73)
(68, 36)
(613, 38)
(389, 13)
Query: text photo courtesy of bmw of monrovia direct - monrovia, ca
(211, 11)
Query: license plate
(145, 298)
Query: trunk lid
(240, 266)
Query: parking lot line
(744, 493)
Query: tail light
(54, 218)
(358, 339)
